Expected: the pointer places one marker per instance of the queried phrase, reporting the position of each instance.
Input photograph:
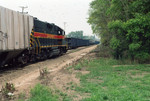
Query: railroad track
(9, 74)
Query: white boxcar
(15, 29)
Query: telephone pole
(65, 26)
(23, 7)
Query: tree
(76, 34)
(89, 37)
(123, 25)
(98, 19)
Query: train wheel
(65, 50)
(33, 58)
(13, 63)
(50, 55)
(43, 55)
(61, 52)
(23, 59)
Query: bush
(142, 57)
(103, 51)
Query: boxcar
(15, 29)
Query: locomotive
(24, 38)
(47, 40)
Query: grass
(43, 93)
(107, 82)
(79, 65)
(21, 97)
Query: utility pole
(65, 26)
(23, 7)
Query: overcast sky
(73, 12)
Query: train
(73, 43)
(24, 38)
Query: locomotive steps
(25, 79)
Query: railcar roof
(49, 23)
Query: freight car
(24, 38)
(15, 31)
(93, 42)
(78, 42)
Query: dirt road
(26, 77)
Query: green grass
(42, 93)
(107, 82)
(79, 65)
(21, 97)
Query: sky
(72, 12)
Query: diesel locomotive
(47, 40)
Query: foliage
(103, 51)
(99, 19)
(89, 37)
(42, 93)
(76, 34)
(123, 25)
(79, 34)
(8, 89)
(78, 67)
(22, 97)
(115, 43)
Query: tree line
(124, 27)
(79, 34)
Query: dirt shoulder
(25, 78)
